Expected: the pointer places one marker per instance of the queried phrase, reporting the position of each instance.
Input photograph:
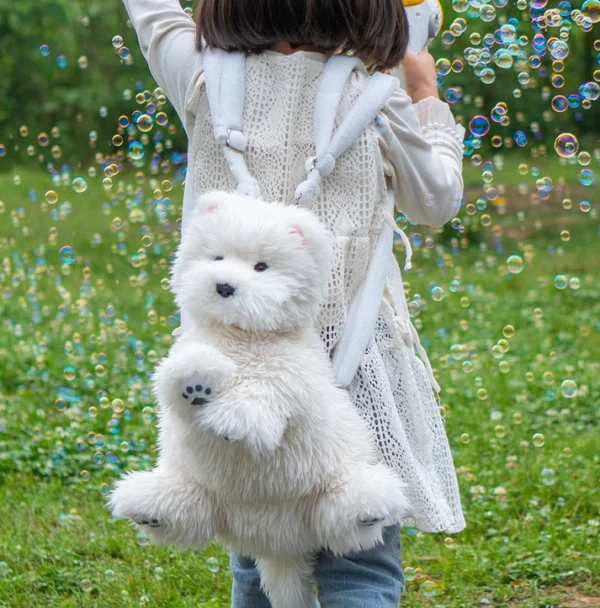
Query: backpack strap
(330, 146)
(225, 81)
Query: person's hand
(420, 76)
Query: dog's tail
(288, 581)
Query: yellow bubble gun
(424, 22)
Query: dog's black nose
(225, 290)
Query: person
(414, 147)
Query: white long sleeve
(422, 148)
(167, 37)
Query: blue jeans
(370, 579)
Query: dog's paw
(367, 521)
(150, 523)
(197, 393)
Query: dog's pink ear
(212, 208)
(297, 230)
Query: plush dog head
(259, 266)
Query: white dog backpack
(225, 75)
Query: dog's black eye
(260, 267)
(218, 258)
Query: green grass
(533, 533)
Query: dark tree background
(80, 87)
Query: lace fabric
(393, 389)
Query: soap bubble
(145, 123)
(586, 177)
(51, 197)
(548, 476)
(515, 264)
(566, 145)
(560, 281)
(67, 255)
(44, 50)
(479, 126)
(117, 42)
(569, 388)
(212, 564)
(136, 150)
(79, 185)
(591, 10)
(538, 440)
(429, 589)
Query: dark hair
(376, 31)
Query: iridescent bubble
(560, 281)
(560, 103)
(586, 177)
(479, 126)
(83, 62)
(437, 293)
(566, 145)
(559, 49)
(79, 185)
(148, 414)
(548, 476)
(514, 263)
(117, 42)
(62, 62)
(145, 123)
(86, 585)
(569, 388)
(142, 539)
(487, 76)
(538, 440)
(212, 564)
(584, 158)
(589, 90)
(136, 150)
(443, 66)
(44, 50)
(508, 331)
(43, 140)
(67, 255)
(591, 10)
(69, 373)
(51, 197)
(503, 59)
(409, 574)
(429, 589)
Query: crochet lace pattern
(392, 389)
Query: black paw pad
(152, 523)
(370, 522)
(196, 394)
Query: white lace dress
(416, 147)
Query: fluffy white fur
(258, 447)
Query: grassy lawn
(517, 354)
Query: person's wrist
(422, 92)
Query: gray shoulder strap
(330, 146)
(225, 81)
